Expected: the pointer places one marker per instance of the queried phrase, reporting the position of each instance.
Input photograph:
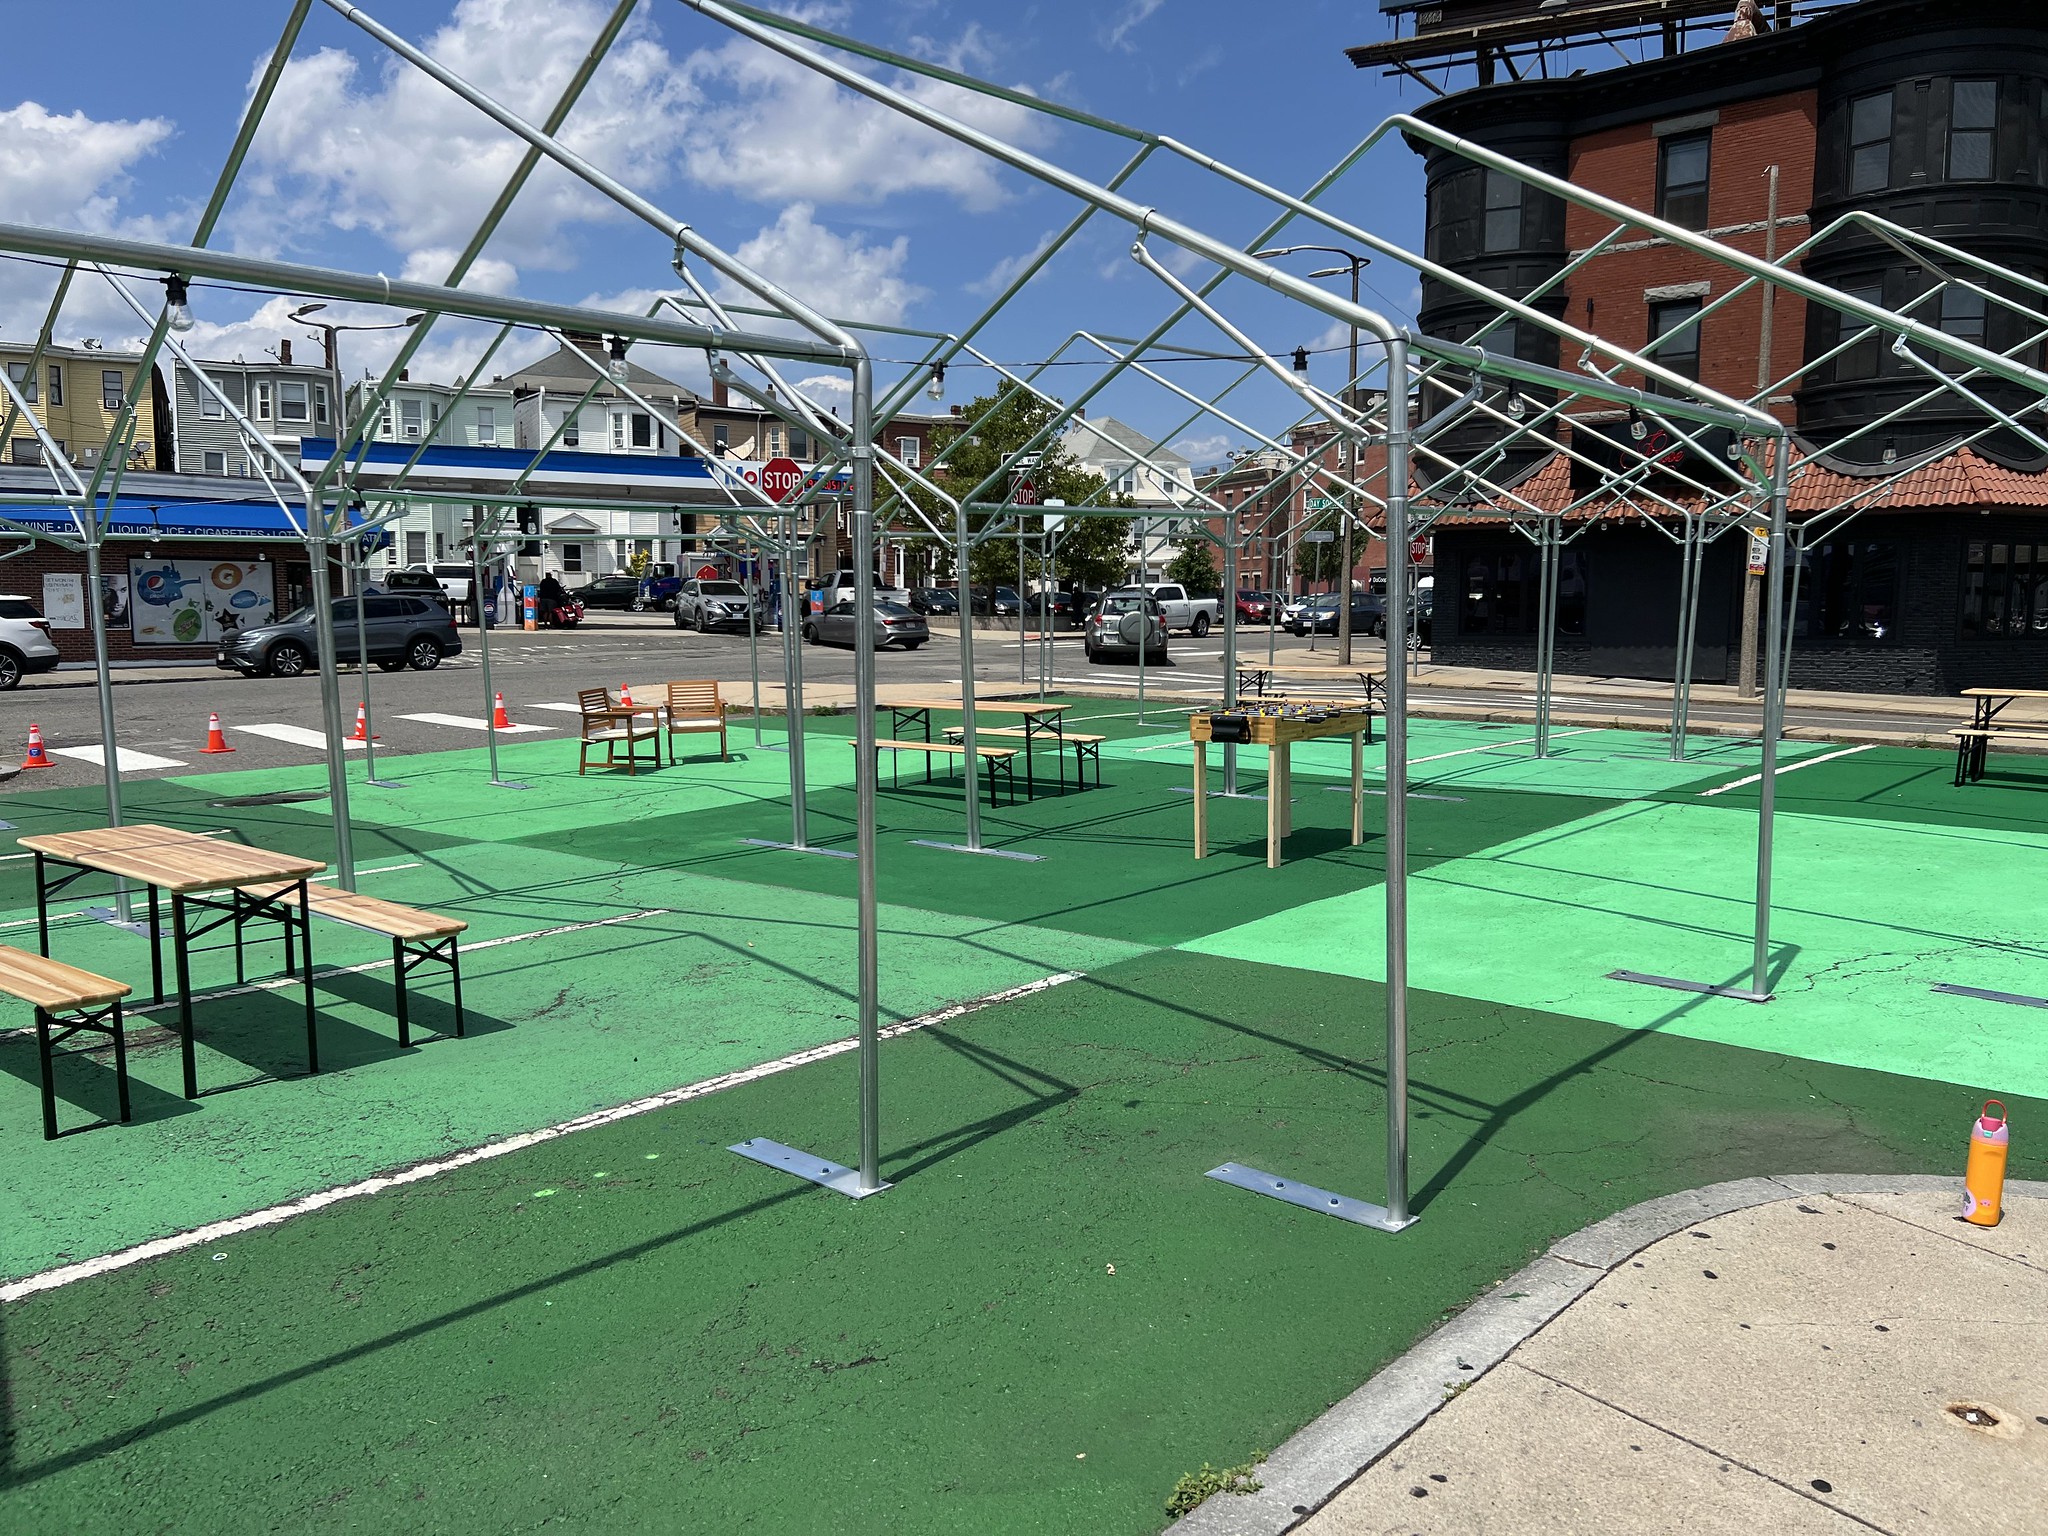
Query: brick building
(1933, 116)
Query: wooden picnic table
(190, 868)
(1278, 734)
(1039, 718)
(1973, 742)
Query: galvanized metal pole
(1774, 716)
(1546, 633)
(1144, 620)
(330, 697)
(352, 567)
(111, 764)
(1350, 513)
(754, 638)
(1397, 789)
(861, 451)
(972, 761)
(1681, 669)
(793, 691)
(1230, 648)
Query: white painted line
(560, 709)
(381, 869)
(1495, 746)
(1804, 762)
(471, 723)
(127, 758)
(51, 1279)
(295, 735)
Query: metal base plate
(1359, 1212)
(6, 826)
(1680, 984)
(829, 853)
(390, 784)
(993, 853)
(774, 1154)
(2017, 999)
(111, 916)
(1214, 794)
(500, 784)
(1413, 794)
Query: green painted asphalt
(1048, 1319)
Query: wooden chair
(603, 728)
(694, 707)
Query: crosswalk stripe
(295, 735)
(126, 758)
(471, 723)
(560, 709)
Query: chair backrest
(593, 702)
(694, 698)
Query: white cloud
(1004, 272)
(405, 159)
(1205, 451)
(782, 132)
(843, 275)
(1132, 16)
(71, 169)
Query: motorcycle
(566, 614)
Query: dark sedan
(1368, 616)
(934, 600)
(621, 592)
(840, 625)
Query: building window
(291, 400)
(1860, 361)
(1503, 212)
(384, 419)
(56, 384)
(1849, 592)
(320, 404)
(1972, 123)
(415, 546)
(216, 461)
(775, 442)
(721, 438)
(23, 381)
(1499, 597)
(618, 431)
(1679, 322)
(113, 393)
(263, 402)
(572, 432)
(643, 430)
(572, 558)
(799, 444)
(1870, 142)
(410, 417)
(906, 451)
(210, 408)
(1682, 162)
(25, 450)
(2005, 592)
(487, 424)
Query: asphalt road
(162, 713)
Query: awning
(141, 516)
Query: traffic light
(529, 529)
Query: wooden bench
(692, 707)
(416, 936)
(67, 1001)
(1973, 745)
(994, 759)
(1086, 748)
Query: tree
(1194, 565)
(993, 428)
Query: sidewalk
(1800, 1354)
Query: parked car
(1254, 607)
(894, 625)
(708, 605)
(659, 587)
(1114, 628)
(25, 644)
(978, 596)
(1194, 612)
(1368, 615)
(452, 576)
(1007, 603)
(1061, 605)
(838, 588)
(410, 579)
(934, 600)
(402, 630)
(620, 592)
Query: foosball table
(1277, 726)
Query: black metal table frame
(1034, 726)
(53, 1030)
(994, 764)
(241, 908)
(1973, 752)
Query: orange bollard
(500, 721)
(362, 730)
(37, 757)
(215, 741)
(1984, 1176)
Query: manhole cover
(275, 797)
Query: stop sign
(781, 479)
(1025, 494)
(1418, 550)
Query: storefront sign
(197, 602)
(64, 601)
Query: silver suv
(706, 604)
(25, 643)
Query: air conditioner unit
(412, 431)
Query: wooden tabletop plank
(53, 985)
(2005, 693)
(171, 860)
(389, 917)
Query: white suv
(25, 643)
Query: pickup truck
(1197, 613)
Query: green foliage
(1194, 566)
(1093, 551)
(1194, 1487)
(638, 562)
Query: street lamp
(1353, 264)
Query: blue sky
(366, 164)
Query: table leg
(121, 1059)
(42, 911)
(306, 952)
(49, 1085)
(1276, 796)
(1201, 799)
(156, 944)
(1286, 788)
(1357, 788)
(182, 966)
(398, 976)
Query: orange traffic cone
(362, 730)
(500, 721)
(626, 695)
(37, 757)
(215, 741)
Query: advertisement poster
(196, 602)
(114, 598)
(64, 601)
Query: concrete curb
(1316, 1463)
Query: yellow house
(75, 393)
